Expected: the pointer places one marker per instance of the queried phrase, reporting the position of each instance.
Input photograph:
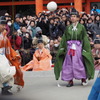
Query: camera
(38, 35)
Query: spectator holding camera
(26, 46)
(51, 27)
(26, 38)
(39, 35)
(58, 28)
(43, 24)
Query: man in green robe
(75, 32)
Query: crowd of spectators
(24, 30)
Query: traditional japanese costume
(74, 58)
(11, 58)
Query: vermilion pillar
(87, 6)
(78, 5)
(39, 6)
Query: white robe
(6, 71)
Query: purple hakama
(73, 66)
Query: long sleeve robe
(13, 58)
(80, 35)
(40, 62)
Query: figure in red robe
(12, 57)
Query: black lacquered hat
(74, 12)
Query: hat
(17, 16)
(38, 29)
(40, 41)
(3, 20)
(74, 12)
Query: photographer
(26, 38)
(51, 27)
(58, 29)
(43, 24)
(26, 45)
(39, 35)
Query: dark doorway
(25, 9)
(22, 9)
(3, 10)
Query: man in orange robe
(12, 56)
(41, 59)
